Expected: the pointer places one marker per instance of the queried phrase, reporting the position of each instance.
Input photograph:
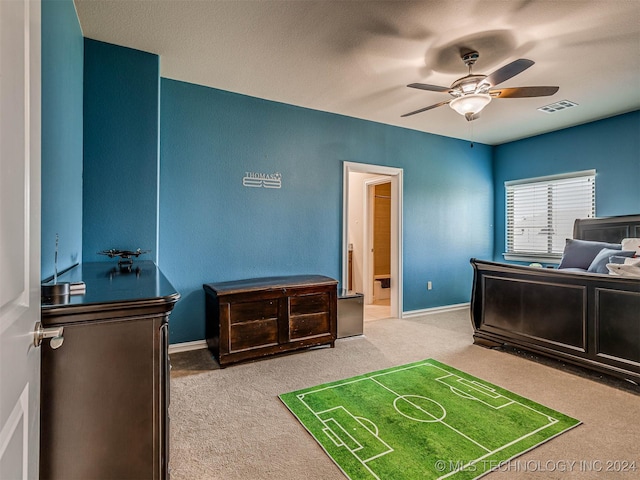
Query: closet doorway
(372, 237)
(377, 245)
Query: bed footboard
(590, 320)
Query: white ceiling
(356, 57)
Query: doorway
(372, 200)
(377, 245)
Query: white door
(19, 237)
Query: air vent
(558, 106)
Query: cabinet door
(100, 402)
(309, 316)
(252, 325)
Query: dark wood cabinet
(249, 319)
(105, 390)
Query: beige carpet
(229, 424)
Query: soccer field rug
(420, 421)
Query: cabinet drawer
(306, 304)
(252, 311)
(252, 335)
(310, 325)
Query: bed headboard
(607, 229)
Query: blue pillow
(580, 253)
(617, 259)
(599, 264)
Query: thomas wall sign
(265, 180)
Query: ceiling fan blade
(510, 70)
(426, 108)
(431, 88)
(523, 92)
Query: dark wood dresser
(105, 390)
(250, 319)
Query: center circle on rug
(418, 408)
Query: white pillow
(630, 268)
(631, 244)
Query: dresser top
(268, 283)
(106, 284)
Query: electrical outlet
(429, 285)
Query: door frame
(396, 177)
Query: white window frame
(551, 183)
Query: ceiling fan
(472, 93)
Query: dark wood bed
(588, 319)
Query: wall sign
(266, 180)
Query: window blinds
(541, 211)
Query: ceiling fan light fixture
(470, 105)
(471, 93)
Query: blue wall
(208, 227)
(120, 149)
(610, 146)
(214, 229)
(62, 70)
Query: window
(541, 212)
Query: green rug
(424, 420)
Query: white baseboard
(429, 311)
(187, 346)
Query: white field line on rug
(349, 423)
(341, 430)
(440, 420)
